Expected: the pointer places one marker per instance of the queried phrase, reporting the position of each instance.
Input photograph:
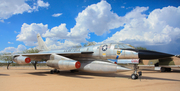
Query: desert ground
(28, 79)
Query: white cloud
(122, 6)
(59, 32)
(29, 33)
(42, 4)
(57, 14)
(97, 18)
(15, 32)
(20, 48)
(10, 43)
(2, 21)
(8, 50)
(13, 7)
(136, 13)
(60, 45)
(161, 26)
(54, 37)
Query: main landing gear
(54, 71)
(135, 74)
(34, 64)
(163, 69)
(9, 64)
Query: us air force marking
(104, 48)
(119, 52)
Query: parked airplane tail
(41, 45)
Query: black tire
(58, 71)
(168, 69)
(52, 71)
(163, 69)
(55, 70)
(134, 76)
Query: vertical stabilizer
(41, 45)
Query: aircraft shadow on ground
(153, 71)
(85, 75)
(4, 75)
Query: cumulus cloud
(40, 3)
(54, 44)
(57, 14)
(20, 48)
(53, 38)
(97, 18)
(13, 7)
(161, 26)
(59, 32)
(28, 33)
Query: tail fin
(41, 45)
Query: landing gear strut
(54, 71)
(163, 69)
(9, 64)
(135, 75)
(34, 64)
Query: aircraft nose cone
(146, 54)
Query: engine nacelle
(100, 67)
(64, 64)
(22, 60)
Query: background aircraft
(163, 64)
(100, 58)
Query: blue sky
(154, 24)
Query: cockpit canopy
(123, 46)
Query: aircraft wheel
(55, 70)
(168, 69)
(58, 71)
(52, 71)
(134, 76)
(163, 69)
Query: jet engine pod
(101, 67)
(22, 60)
(64, 64)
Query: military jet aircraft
(100, 58)
(163, 64)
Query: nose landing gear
(135, 75)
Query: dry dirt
(28, 79)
